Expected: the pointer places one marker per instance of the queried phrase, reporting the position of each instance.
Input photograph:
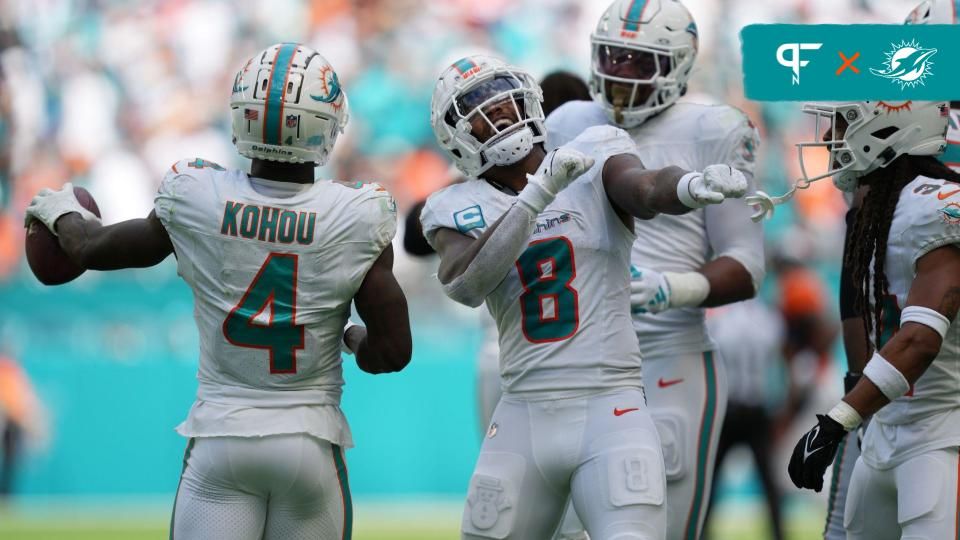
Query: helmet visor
(634, 64)
(483, 92)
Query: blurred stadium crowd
(108, 93)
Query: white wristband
(886, 377)
(534, 197)
(343, 339)
(688, 289)
(927, 317)
(684, 193)
(846, 416)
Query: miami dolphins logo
(331, 87)
(950, 213)
(908, 64)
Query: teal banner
(790, 62)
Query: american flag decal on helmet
(250, 114)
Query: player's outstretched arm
(131, 244)
(385, 345)
(136, 243)
(932, 305)
(733, 275)
(643, 193)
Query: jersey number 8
(549, 306)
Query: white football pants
(287, 487)
(603, 450)
(916, 500)
(687, 397)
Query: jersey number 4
(549, 306)
(273, 288)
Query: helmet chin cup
(511, 148)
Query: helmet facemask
(634, 82)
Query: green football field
(742, 523)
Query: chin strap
(765, 203)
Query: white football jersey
(928, 416)
(273, 267)
(690, 136)
(563, 312)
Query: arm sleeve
(494, 260)
(733, 234)
(497, 256)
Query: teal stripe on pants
(344, 491)
(703, 447)
(186, 456)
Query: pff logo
(794, 62)
(907, 64)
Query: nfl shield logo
(292, 120)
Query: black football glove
(814, 452)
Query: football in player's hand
(46, 258)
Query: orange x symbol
(848, 63)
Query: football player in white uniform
(905, 266)
(274, 260)
(643, 51)
(927, 12)
(544, 240)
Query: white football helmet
(641, 47)
(464, 90)
(862, 136)
(287, 105)
(935, 12)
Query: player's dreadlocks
(869, 239)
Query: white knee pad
(672, 429)
(492, 496)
